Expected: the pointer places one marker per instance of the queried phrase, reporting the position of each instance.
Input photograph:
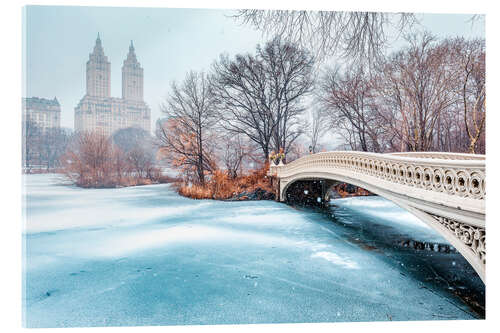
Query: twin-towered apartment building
(99, 112)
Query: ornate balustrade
(446, 190)
(441, 155)
(461, 177)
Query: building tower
(132, 77)
(97, 111)
(98, 72)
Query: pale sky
(168, 44)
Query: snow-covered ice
(146, 256)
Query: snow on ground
(146, 256)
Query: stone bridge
(444, 190)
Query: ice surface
(333, 258)
(384, 212)
(146, 256)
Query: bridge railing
(438, 172)
(445, 190)
(441, 155)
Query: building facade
(44, 113)
(97, 111)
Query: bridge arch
(459, 218)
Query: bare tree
(471, 62)
(235, 150)
(239, 88)
(261, 96)
(121, 167)
(52, 145)
(416, 88)
(93, 160)
(348, 98)
(184, 136)
(43, 146)
(88, 160)
(30, 141)
(429, 95)
(319, 125)
(297, 150)
(137, 145)
(354, 36)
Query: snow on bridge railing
(442, 155)
(438, 172)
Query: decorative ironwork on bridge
(445, 190)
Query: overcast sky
(168, 43)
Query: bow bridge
(444, 190)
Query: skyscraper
(98, 72)
(97, 111)
(132, 77)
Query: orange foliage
(181, 148)
(221, 186)
(341, 189)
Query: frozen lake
(146, 256)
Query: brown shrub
(222, 186)
(93, 161)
